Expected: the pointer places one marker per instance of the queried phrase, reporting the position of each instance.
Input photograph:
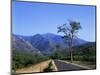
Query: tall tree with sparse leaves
(70, 31)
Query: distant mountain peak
(46, 43)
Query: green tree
(70, 32)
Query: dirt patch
(34, 68)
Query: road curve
(62, 66)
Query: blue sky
(32, 18)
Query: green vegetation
(49, 68)
(21, 59)
(84, 53)
(58, 55)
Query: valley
(29, 51)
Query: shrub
(21, 59)
(49, 68)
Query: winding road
(62, 66)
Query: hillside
(21, 45)
(47, 43)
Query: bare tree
(70, 31)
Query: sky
(30, 18)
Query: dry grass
(34, 68)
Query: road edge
(55, 67)
(85, 67)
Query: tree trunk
(71, 50)
(71, 55)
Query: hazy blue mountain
(57, 39)
(46, 43)
(85, 46)
(39, 42)
(19, 44)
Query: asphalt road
(62, 66)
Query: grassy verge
(49, 68)
(88, 64)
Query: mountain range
(42, 43)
